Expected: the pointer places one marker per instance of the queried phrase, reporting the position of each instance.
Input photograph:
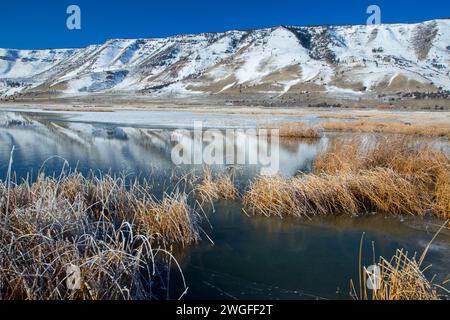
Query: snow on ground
(279, 49)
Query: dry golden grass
(379, 190)
(442, 201)
(295, 130)
(400, 278)
(212, 188)
(361, 175)
(270, 196)
(116, 233)
(402, 154)
(426, 168)
(436, 129)
(386, 191)
(169, 218)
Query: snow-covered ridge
(355, 59)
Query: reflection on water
(113, 148)
(252, 257)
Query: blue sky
(42, 23)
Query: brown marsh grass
(402, 154)
(437, 129)
(270, 196)
(427, 168)
(380, 190)
(442, 202)
(303, 130)
(357, 176)
(215, 188)
(399, 278)
(117, 234)
(295, 130)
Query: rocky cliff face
(335, 60)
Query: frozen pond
(252, 257)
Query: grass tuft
(213, 188)
(357, 176)
(115, 233)
(399, 278)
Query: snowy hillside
(354, 60)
